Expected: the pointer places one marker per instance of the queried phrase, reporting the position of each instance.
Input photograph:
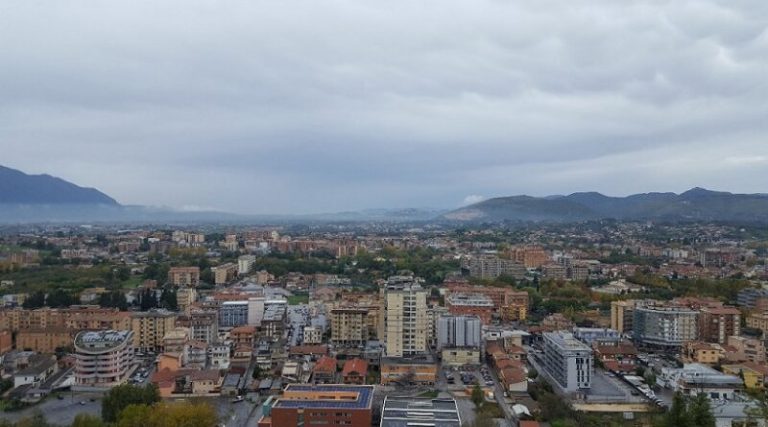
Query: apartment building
(44, 340)
(568, 361)
(405, 318)
(150, 327)
(508, 303)
(245, 264)
(716, 324)
(184, 276)
(470, 304)
(185, 297)
(203, 323)
(313, 335)
(747, 349)
(349, 327)
(103, 359)
(758, 321)
(491, 267)
(622, 315)
(225, 273)
(665, 326)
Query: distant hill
(697, 204)
(18, 188)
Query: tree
(477, 396)
(87, 420)
(650, 378)
(168, 299)
(678, 413)
(700, 412)
(168, 415)
(483, 420)
(124, 395)
(36, 300)
(59, 298)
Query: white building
(313, 335)
(568, 361)
(103, 359)
(218, 356)
(245, 264)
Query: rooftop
(403, 412)
(326, 396)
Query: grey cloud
(257, 106)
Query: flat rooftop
(363, 393)
(403, 412)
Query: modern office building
(315, 405)
(568, 361)
(665, 326)
(399, 412)
(103, 359)
(458, 332)
(748, 297)
(233, 314)
(405, 318)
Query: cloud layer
(301, 106)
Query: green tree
(36, 300)
(87, 420)
(477, 396)
(678, 413)
(168, 415)
(700, 412)
(124, 395)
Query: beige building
(185, 297)
(621, 315)
(748, 349)
(224, 273)
(349, 326)
(176, 339)
(758, 321)
(149, 329)
(405, 318)
(44, 340)
(460, 356)
(313, 335)
(184, 276)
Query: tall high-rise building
(405, 317)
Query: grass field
(298, 299)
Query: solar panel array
(364, 397)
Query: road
(498, 391)
(61, 411)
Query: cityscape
(335, 213)
(387, 324)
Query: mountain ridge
(17, 187)
(694, 204)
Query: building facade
(568, 361)
(103, 359)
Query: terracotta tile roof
(358, 366)
(325, 364)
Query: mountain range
(16, 187)
(696, 204)
(44, 198)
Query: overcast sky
(321, 106)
